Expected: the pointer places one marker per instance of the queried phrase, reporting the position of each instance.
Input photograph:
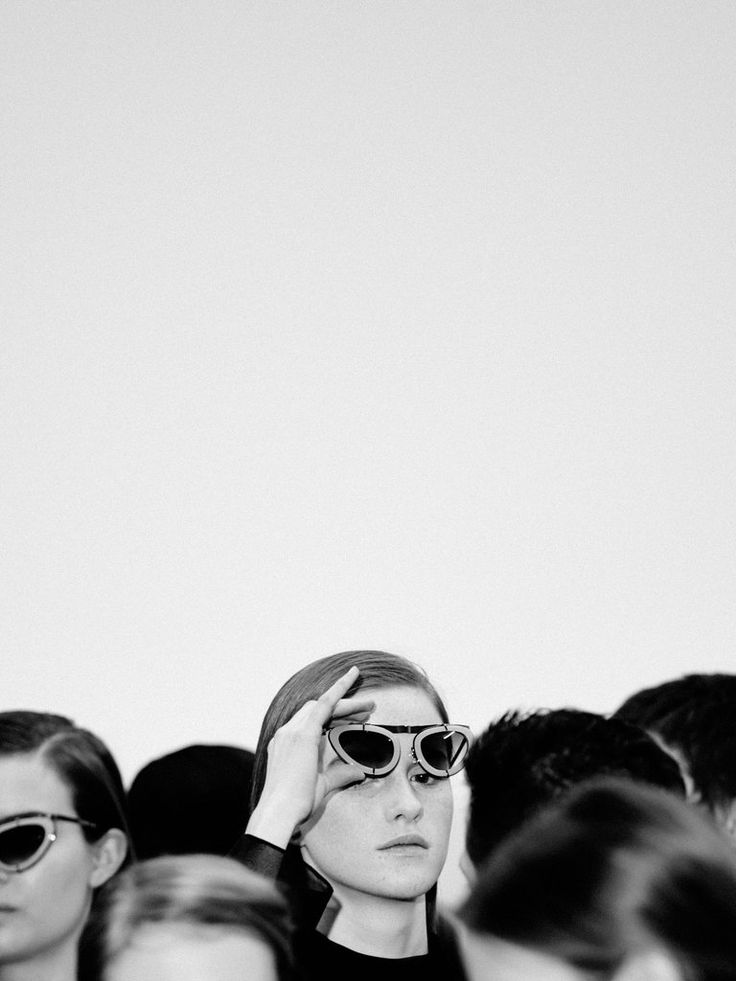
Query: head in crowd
(523, 761)
(187, 918)
(63, 833)
(384, 836)
(694, 718)
(615, 881)
(193, 800)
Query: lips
(404, 840)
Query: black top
(317, 957)
(320, 958)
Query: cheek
(439, 806)
(62, 888)
(53, 902)
(341, 819)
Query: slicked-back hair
(694, 716)
(523, 761)
(191, 891)
(378, 669)
(80, 759)
(612, 869)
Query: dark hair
(695, 717)
(192, 800)
(524, 761)
(378, 669)
(191, 890)
(610, 870)
(79, 758)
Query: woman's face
(171, 952)
(349, 838)
(43, 909)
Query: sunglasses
(440, 750)
(25, 838)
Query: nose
(402, 800)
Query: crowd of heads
(597, 847)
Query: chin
(406, 890)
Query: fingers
(332, 703)
(342, 775)
(357, 708)
(338, 690)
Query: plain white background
(348, 324)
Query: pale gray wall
(325, 325)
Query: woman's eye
(422, 777)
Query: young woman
(63, 833)
(352, 809)
(187, 918)
(618, 881)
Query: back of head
(193, 800)
(524, 761)
(378, 669)
(79, 758)
(610, 871)
(695, 718)
(189, 891)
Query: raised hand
(295, 782)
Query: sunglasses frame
(421, 732)
(44, 820)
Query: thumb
(341, 776)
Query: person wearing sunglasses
(63, 833)
(351, 810)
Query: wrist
(272, 821)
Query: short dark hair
(190, 890)
(695, 717)
(194, 799)
(609, 868)
(525, 760)
(80, 759)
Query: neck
(53, 966)
(377, 926)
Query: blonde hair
(193, 890)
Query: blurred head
(694, 718)
(385, 836)
(523, 762)
(190, 801)
(63, 833)
(617, 880)
(186, 918)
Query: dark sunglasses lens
(19, 844)
(370, 749)
(444, 750)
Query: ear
(649, 965)
(467, 868)
(109, 854)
